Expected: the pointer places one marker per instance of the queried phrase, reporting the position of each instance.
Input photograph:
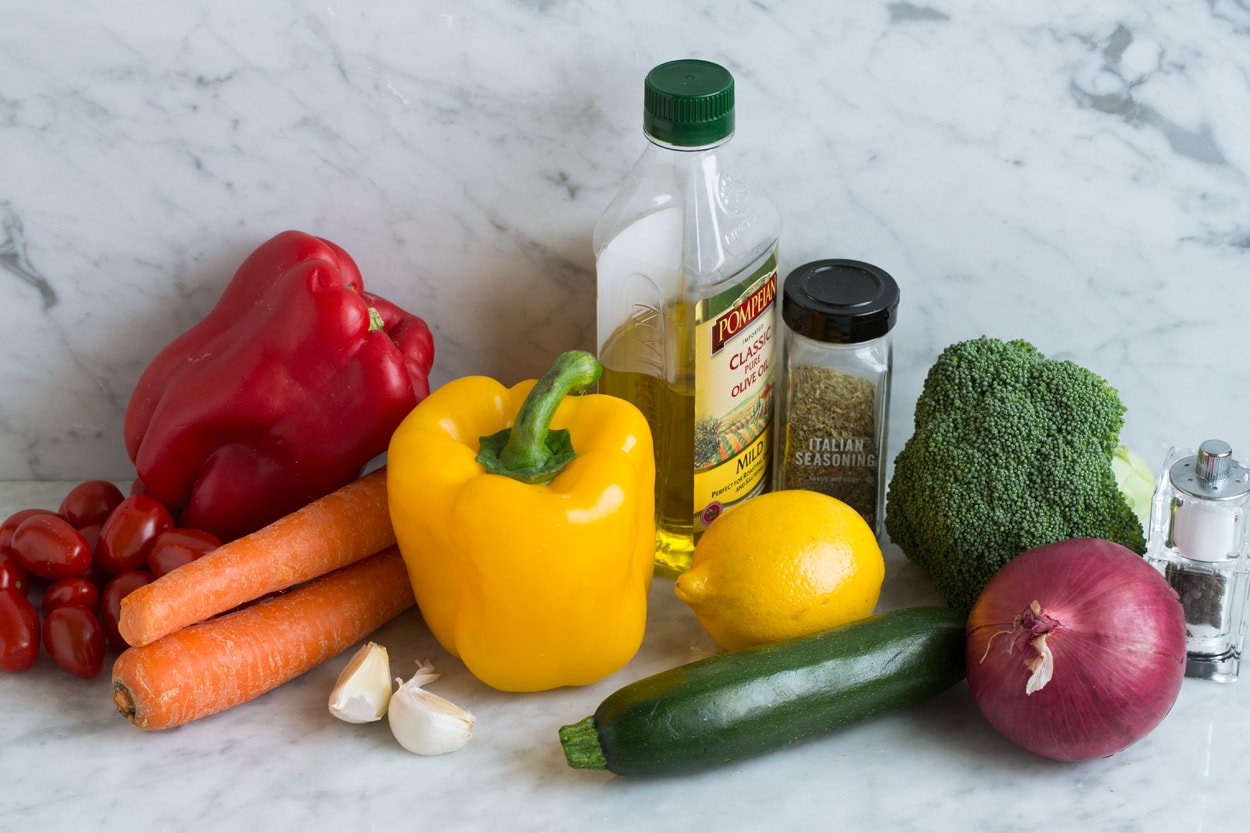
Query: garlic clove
(425, 723)
(363, 690)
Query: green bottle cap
(689, 103)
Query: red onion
(1076, 650)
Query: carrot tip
(125, 702)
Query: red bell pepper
(280, 395)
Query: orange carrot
(214, 665)
(332, 532)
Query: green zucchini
(743, 703)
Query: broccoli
(1011, 450)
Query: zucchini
(743, 703)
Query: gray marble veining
(1071, 173)
(1077, 176)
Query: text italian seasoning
(830, 442)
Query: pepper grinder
(1199, 541)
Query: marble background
(1076, 174)
(1072, 173)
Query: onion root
(1038, 624)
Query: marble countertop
(280, 762)
(1073, 174)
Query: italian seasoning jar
(834, 394)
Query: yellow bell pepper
(526, 519)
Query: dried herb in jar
(830, 443)
(835, 382)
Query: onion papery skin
(1118, 649)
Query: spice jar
(1199, 540)
(834, 390)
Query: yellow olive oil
(670, 413)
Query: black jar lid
(840, 301)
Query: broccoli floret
(1011, 450)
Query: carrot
(214, 665)
(331, 532)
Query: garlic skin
(363, 690)
(425, 723)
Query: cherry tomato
(13, 576)
(111, 602)
(49, 547)
(91, 532)
(127, 536)
(71, 591)
(178, 546)
(74, 639)
(11, 523)
(90, 502)
(98, 575)
(137, 487)
(19, 632)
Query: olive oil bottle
(686, 261)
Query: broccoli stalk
(1011, 450)
(1136, 480)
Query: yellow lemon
(781, 565)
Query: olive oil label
(733, 414)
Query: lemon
(781, 565)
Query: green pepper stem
(530, 450)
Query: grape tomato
(178, 546)
(11, 523)
(90, 503)
(111, 602)
(127, 536)
(13, 576)
(49, 547)
(19, 632)
(91, 533)
(74, 638)
(79, 592)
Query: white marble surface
(68, 761)
(1071, 173)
